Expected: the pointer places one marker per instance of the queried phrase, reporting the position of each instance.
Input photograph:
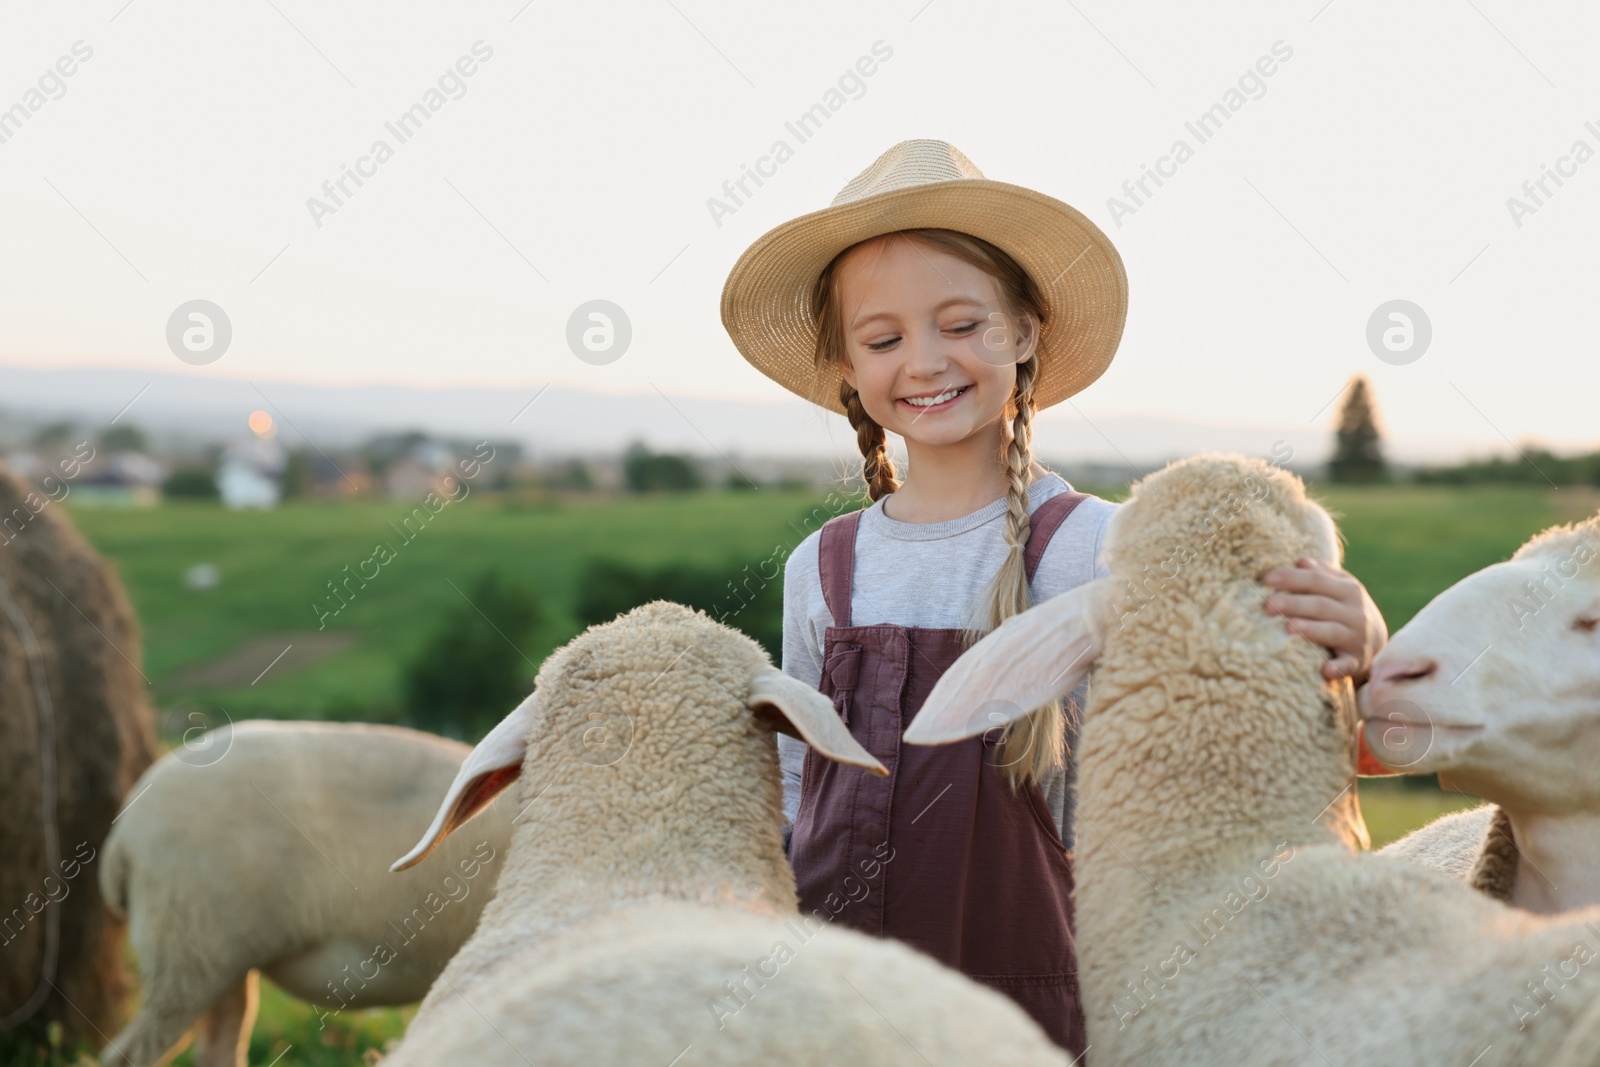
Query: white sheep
(1225, 912)
(647, 913)
(264, 847)
(1495, 685)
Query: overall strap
(1043, 523)
(836, 560)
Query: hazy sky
(576, 162)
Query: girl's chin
(935, 436)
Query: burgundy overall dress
(953, 862)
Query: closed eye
(1586, 625)
(880, 346)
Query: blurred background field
(206, 647)
(213, 647)
(246, 643)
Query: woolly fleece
(71, 692)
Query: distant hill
(570, 420)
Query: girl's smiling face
(931, 348)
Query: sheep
(78, 730)
(1226, 911)
(647, 913)
(264, 847)
(1495, 685)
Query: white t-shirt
(931, 575)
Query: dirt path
(268, 655)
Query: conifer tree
(1357, 445)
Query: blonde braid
(1032, 746)
(1019, 461)
(877, 465)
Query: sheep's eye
(1586, 625)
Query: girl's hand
(1329, 606)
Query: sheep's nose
(1388, 674)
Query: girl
(936, 304)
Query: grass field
(273, 566)
(1405, 543)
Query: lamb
(265, 847)
(647, 913)
(1495, 684)
(1226, 914)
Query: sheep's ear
(1026, 661)
(790, 705)
(494, 764)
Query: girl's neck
(950, 481)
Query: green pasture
(274, 566)
(1405, 543)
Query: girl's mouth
(924, 405)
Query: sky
(1378, 161)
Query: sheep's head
(1214, 518)
(659, 690)
(1201, 527)
(1495, 684)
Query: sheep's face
(1495, 684)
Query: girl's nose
(925, 354)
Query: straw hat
(766, 302)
